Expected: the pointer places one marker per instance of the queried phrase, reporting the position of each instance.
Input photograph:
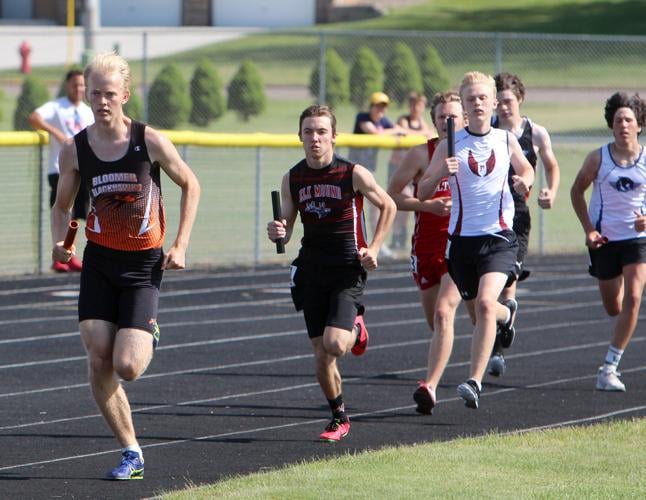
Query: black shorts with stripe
(327, 295)
(471, 257)
(121, 287)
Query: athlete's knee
(334, 346)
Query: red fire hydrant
(25, 50)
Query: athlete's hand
(545, 198)
(439, 206)
(62, 254)
(640, 222)
(175, 258)
(594, 240)
(519, 185)
(451, 165)
(276, 229)
(368, 259)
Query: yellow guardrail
(250, 140)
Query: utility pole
(91, 24)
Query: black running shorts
(522, 226)
(471, 257)
(121, 287)
(328, 296)
(607, 261)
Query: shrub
(134, 108)
(168, 100)
(206, 94)
(366, 76)
(402, 74)
(33, 93)
(337, 80)
(246, 91)
(434, 75)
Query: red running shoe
(362, 337)
(75, 264)
(59, 267)
(335, 430)
(424, 396)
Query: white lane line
(382, 411)
(260, 336)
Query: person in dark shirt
(375, 122)
(118, 160)
(329, 275)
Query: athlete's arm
(69, 181)
(39, 123)
(162, 151)
(524, 173)
(441, 166)
(541, 138)
(283, 228)
(410, 170)
(585, 177)
(364, 182)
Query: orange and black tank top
(126, 205)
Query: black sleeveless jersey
(527, 145)
(126, 206)
(331, 212)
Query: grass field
(539, 465)
(563, 463)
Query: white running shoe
(608, 380)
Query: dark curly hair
(509, 81)
(623, 100)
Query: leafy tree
(33, 93)
(402, 74)
(337, 79)
(366, 76)
(434, 75)
(246, 91)
(206, 94)
(168, 101)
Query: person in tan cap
(374, 121)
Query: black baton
(275, 204)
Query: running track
(231, 389)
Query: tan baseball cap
(379, 98)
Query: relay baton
(450, 136)
(71, 234)
(275, 204)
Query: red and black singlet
(331, 212)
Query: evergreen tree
(33, 94)
(134, 108)
(434, 75)
(366, 76)
(337, 80)
(168, 101)
(402, 74)
(206, 94)
(246, 91)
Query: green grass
(599, 461)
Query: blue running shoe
(131, 467)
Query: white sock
(134, 447)
(613, 356)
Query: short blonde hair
(107, 63)
(475, 78)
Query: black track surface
(231, 389)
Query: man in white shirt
(63, 118)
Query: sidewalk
(53, 45)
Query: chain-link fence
(567, 78)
